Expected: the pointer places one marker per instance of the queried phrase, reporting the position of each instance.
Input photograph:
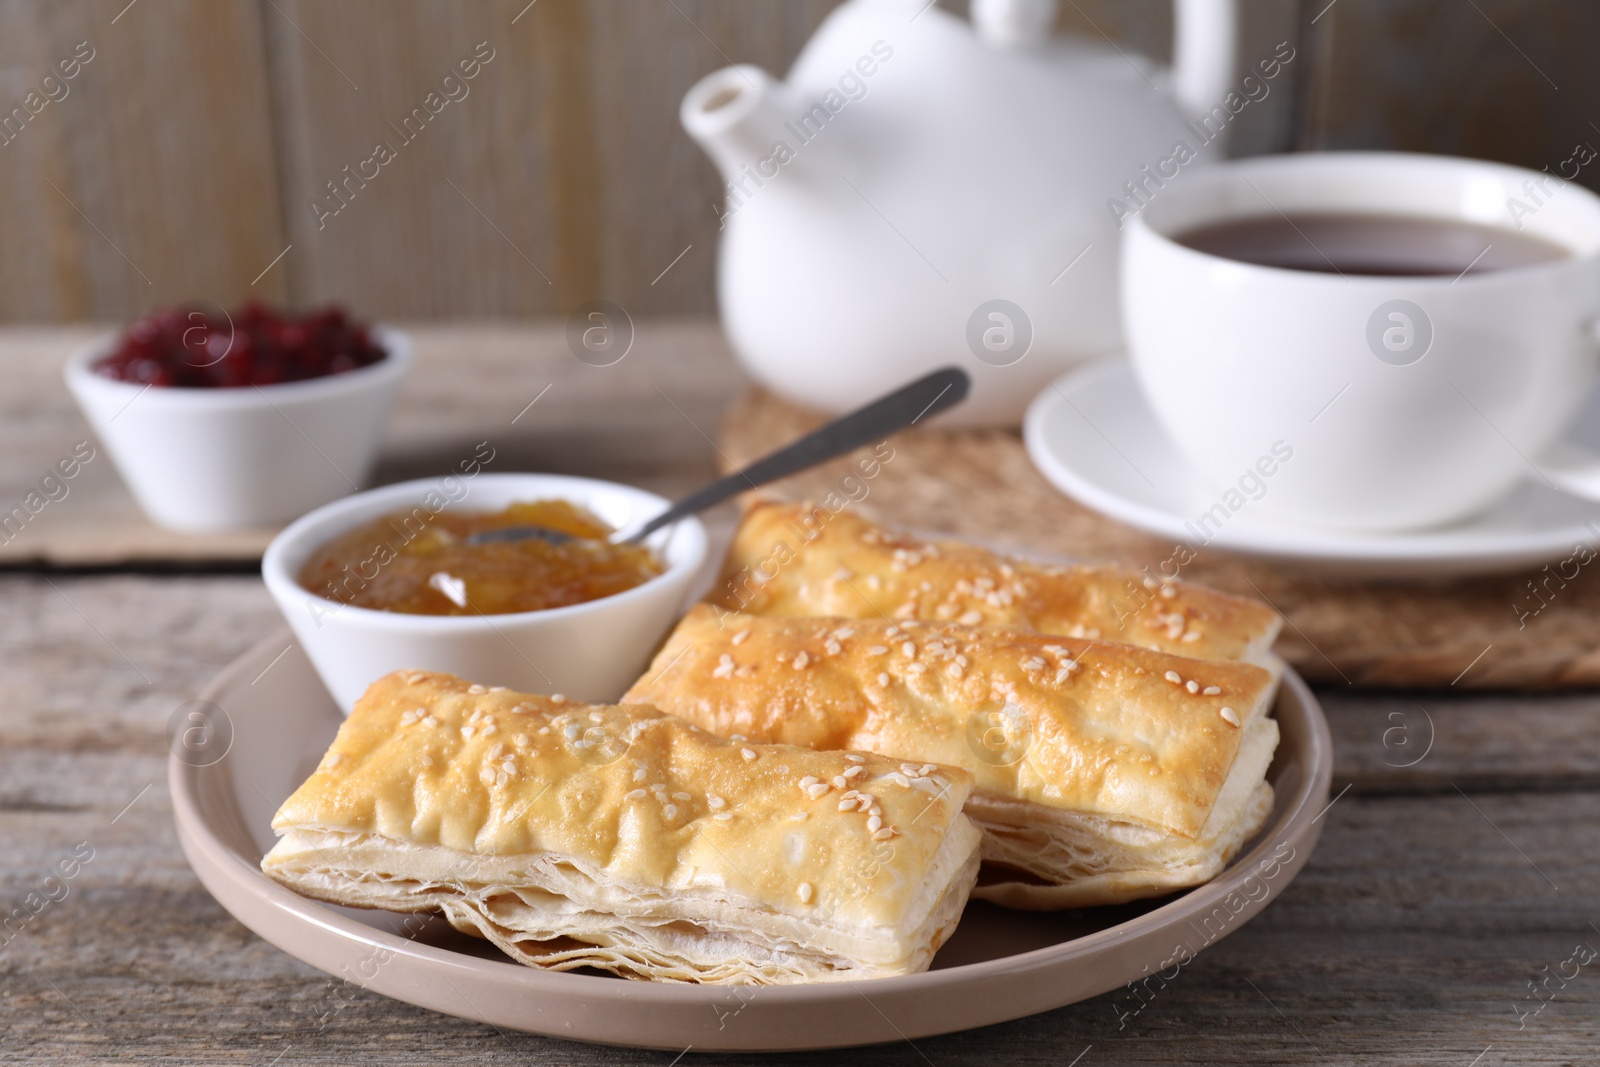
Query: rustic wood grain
(1412, 932)
(1438, 741)
(186, 153)
(1458, 868)
(1510, 80)
(980, 484)
(572, 179)
(647, 420)
(1458, 865)
(153, 180)
(198, 138)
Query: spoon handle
(926, 396)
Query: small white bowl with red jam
(399, 578)
(221, 421)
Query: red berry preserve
(193, 349)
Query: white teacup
(1378, 403)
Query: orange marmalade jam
(419, 562)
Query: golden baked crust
(1127, 752)
(662, 850)
(1078, 860)
(792, 559)
(1110, 733)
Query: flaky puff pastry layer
(574, 835)
(1122, 770)
(795, 559)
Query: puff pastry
(794, 559)
(1104, 772)
(573, 835)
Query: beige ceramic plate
(260, 728)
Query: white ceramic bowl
(591, 651)
(200, 460)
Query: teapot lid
(1014, 23)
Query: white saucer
(1092, 435)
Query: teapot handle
(1205, 36)
(1204, 31)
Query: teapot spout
(734, 115)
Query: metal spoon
(926, 396)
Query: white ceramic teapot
(916, 168)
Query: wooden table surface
(1458, 870)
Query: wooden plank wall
(1513, 80)
(152, 177)
(186, 155)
